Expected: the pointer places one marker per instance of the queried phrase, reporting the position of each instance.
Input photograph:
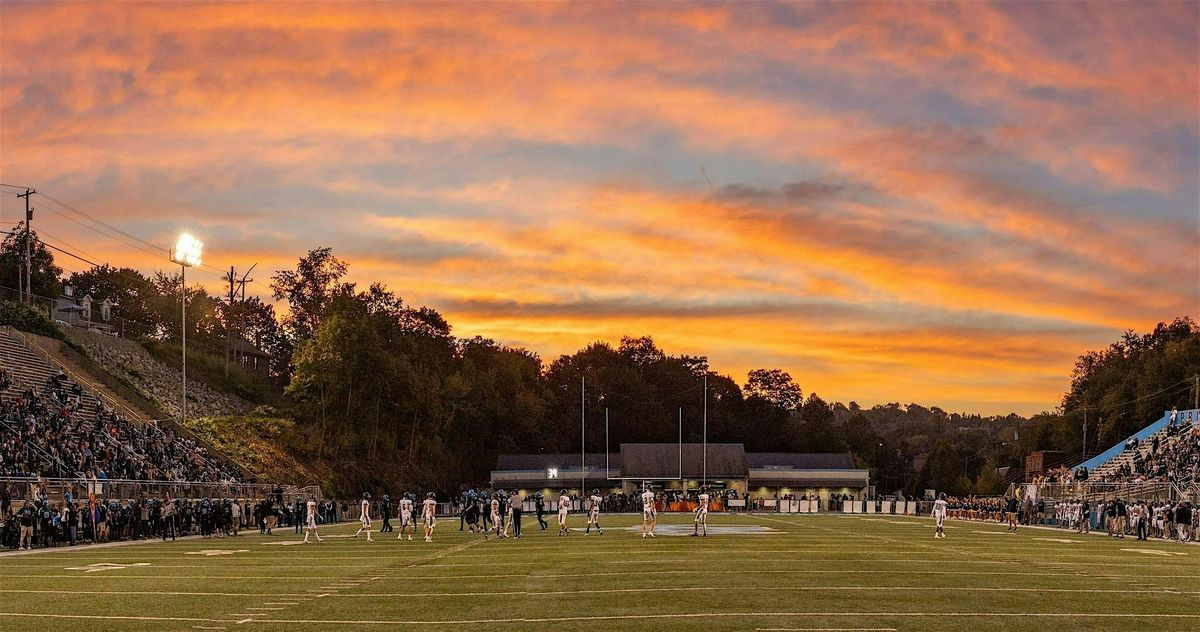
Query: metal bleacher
(1110, 461)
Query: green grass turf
(825, 572)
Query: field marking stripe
(149, 592)
(109, 616)
(696, 615)
(123, 578)
(825, 629)
(1174, 591)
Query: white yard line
(689, 615)
(610, 591)
(825, 629)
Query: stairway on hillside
(78, 365)
(30, 369)
(33, 359)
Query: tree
(309, 290)
(1130, 383)
(45, 274)
(255, 321)
(133, 296)
(204, 323)
(817, 434)
(775, 386)
(641, 351)
(989, 482)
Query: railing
(126, 411)
(1150, 490)
(44, 455)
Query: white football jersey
(648, 499)
(939, 508)
(312, 510)
(429, 507)
(596, 503)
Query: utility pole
(228, 321)
(28, 286)
(1196, 397)
(241, 311)
(1084, 457)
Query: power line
(116, 234)
(141, 244)
(1186, 381)
(100, 222)
(113, 237)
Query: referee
(514, 507)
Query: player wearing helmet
(406, 517)
(564, 508)
(539, 505)
(594, 513)
(939, 516)
(497, 522)
(649, 513)
(365, 506)
(429, 515)
(700, 521)
(385, 511)
(310, 522)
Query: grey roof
(661, 460)
(800, 461)
(543, 461)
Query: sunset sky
(931, 203)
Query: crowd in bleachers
(45, 432)
(1173, 458)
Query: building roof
(800, 461)
(661, 460)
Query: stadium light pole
(582, 436)
(704, 456)
(187, 254)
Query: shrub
(28, 318)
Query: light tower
(187, 254)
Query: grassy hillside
(262, 442)
(210, 369)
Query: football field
(753, 572)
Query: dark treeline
(384, 392)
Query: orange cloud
(963, 196)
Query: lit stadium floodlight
(187, 251)
(187, 254)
